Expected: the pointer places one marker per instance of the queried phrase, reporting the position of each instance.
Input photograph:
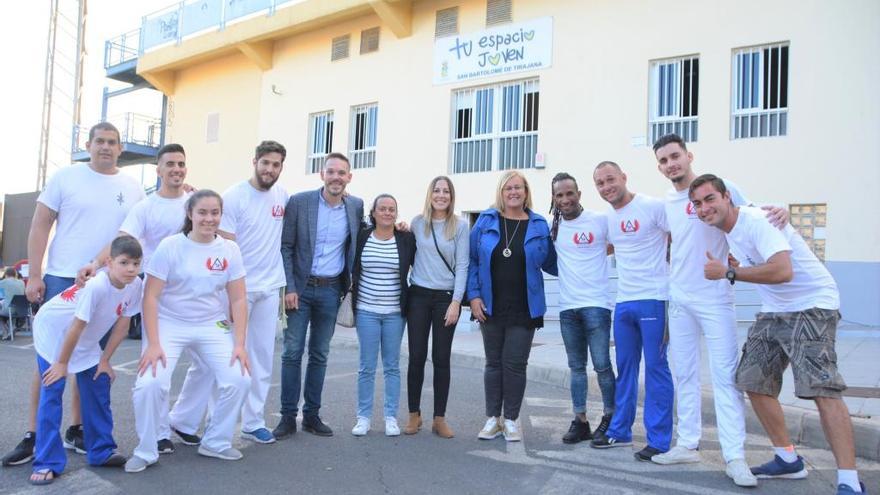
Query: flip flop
(45, 480)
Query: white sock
(849, 477)
(787, 454)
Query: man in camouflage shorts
(797, 324)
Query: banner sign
(501, 50)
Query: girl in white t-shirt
(189, 278)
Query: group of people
(217, 268)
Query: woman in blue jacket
(509, 247)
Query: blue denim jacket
(540, 254)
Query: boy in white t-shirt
(797, 324)
(67, 330)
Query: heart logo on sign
(530, 35)
(494, 59)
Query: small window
(446, 23)
(810, 221)
(320, 140)
(674, 98)
(362, 142)
(212, 128)
(760, 92)
(339, 47)
(498, 12)
(369, 40)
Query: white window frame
(754, 120)
(363, 155)
(320, 141)
(497, 139)
(667, 76)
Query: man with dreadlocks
(581, 240)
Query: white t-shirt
(583, 262)
(638, 232)
(754, 240)
(99, 304)
(256, 218)
(90, 207)
(691, 239)
(154, 219)
(195, 277)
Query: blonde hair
(428, 211)
(499, 200)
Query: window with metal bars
(446, 23)
(673, 98)
(760, 92)
(495, 127)
(362, 141)
(339, 47)
(369, 40)
(498, 12)
(320, 140)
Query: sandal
(47, 477)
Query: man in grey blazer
(317, 247)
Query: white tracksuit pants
(213, 345)
(717, 323)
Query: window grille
(446, 23)
(760, 92)
(370, 40)
(320, 140)
(339, 47)
(362, 141)
(674, 98)
(498, 12)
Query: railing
(188, 17)
(122, 48)
(134, 128)
(686, 127)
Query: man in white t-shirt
(638, 231)
(253, 215)
(89, 202)
(581, 240)
(797, 324)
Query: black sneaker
(73, 439)
(315, 426)
(23, 452)
(186, 438)
(165, 446)
(114, 461)
(646, 454)
(286, 427)
(604, 424)
(577, 432)
(603, 441)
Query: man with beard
(317, 246)
(253, 215)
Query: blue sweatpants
(97, 420)
(640, 325)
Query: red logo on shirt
(69, 294)
(583, 238)
(217, 264)
(277, 211)
(690, 210)
(629, 226)
(119, 310)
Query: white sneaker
(362, 427)
(391, 428)
(677, 455)
(739, 472)
(511, 432)
(491, 430)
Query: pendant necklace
(506, 252)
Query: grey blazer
(300, 230)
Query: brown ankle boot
(441, 428)
(414, 423)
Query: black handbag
(464, 300)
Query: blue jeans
(640, 326)
(586, 329)
(55, 285)
(377, 331)
(317, 310)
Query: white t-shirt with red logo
(639, 232)
(256, 218)
(99, 304)
(691, 239)
(581, 250)
(753, 240)
(90, 207)
(154, 219)
(195, 276)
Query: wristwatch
(730, 275)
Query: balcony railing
(143, 130)
(122, 48)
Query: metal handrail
(122, 48)
(134, 128)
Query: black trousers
(507, 349)
(426, 310)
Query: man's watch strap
(730, 275)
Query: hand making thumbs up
(714, 269)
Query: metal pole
(48, 82)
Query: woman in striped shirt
(379, 286)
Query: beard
(266, 185)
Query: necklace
(506, 252)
